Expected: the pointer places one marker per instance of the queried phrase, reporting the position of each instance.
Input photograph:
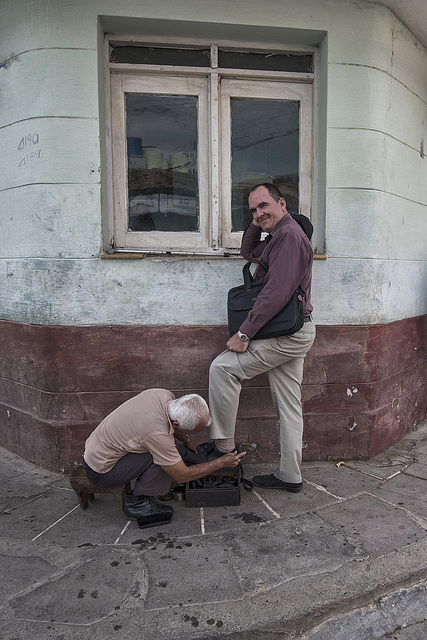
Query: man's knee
(217, 365)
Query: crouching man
(146, 439)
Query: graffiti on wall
(29, 143)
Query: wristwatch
(243, 337)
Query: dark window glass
(160, 55)
(264, 148)
(161, 133)
(265, 61)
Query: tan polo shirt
(139, 425)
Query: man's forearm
(181, 473)
(252, 246)
(197, 471)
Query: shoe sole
(289, 490)
(147, 525)
(135, 518)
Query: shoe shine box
(219, 490)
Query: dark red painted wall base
(364, 386)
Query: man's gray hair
(189, 411)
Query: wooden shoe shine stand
(86, 491)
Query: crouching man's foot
(147, 511)
(271, 482)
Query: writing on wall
(29, 143)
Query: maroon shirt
(288, 253)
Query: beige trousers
(283, 360)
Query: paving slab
(27, 519)
(340, 482)
(23, 565)
(395, 459)
(86, 590)
(303, 545)
(381, 469)
(377, 527)
(284, 505)
(17, 491)
(418, 469)
(199, 571)
(408, 493)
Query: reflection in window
(264, 148)
(161, 133)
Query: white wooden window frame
(121, 84)
(214, 88)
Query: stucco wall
(371, 119)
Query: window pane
(160, 55)
(161, 135)
(268, 61)
(264, 148)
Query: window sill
(123, 254)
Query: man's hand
(232, 459)
(181, 473)
(235, 344)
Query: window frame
(214, 171)
(297, 92)
(161, 84)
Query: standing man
(289, 256)
(145, 439)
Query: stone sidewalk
(346, 558)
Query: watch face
(243, 337)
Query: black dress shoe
(140, 507)
(271, 482)
(155, 514)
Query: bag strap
(249, 280)
(248, 484)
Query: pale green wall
(370, 119)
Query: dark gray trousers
(150, 479)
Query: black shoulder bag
(241, 300)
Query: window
(193, 129)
